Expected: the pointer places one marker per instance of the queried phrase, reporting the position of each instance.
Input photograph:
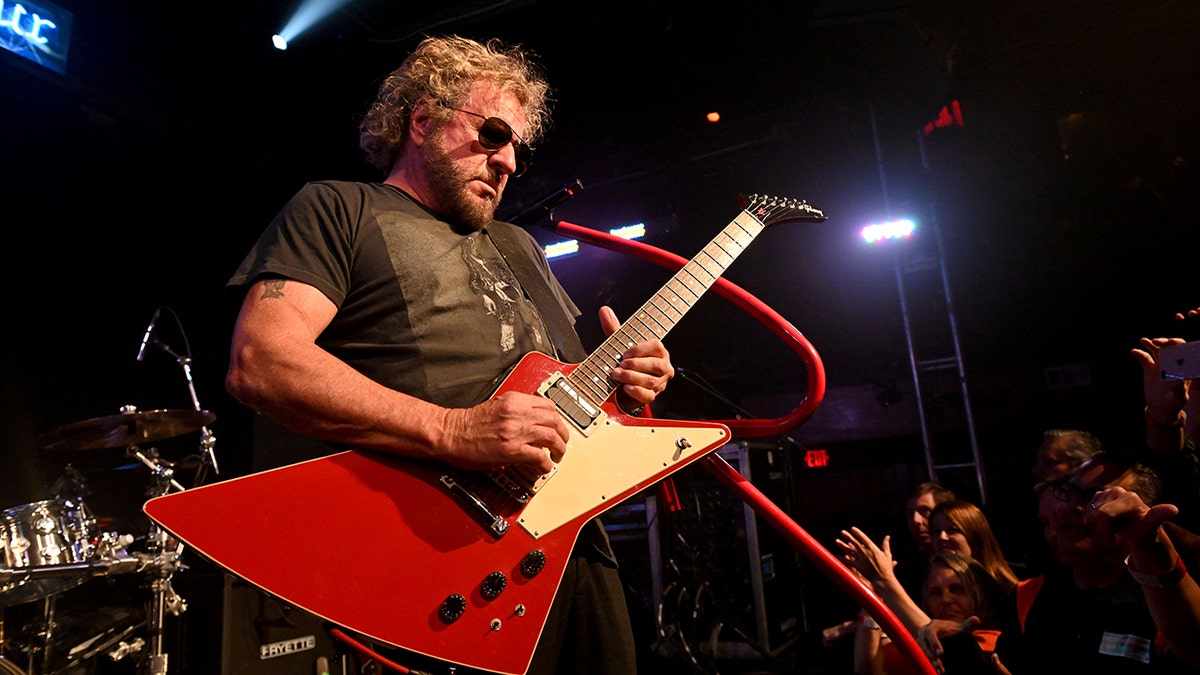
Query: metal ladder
(944, 457)
(922, 276)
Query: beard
(449, 184)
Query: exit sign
(39, 31)
(816, 458)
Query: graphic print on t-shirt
(497, 288)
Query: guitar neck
(661, 312)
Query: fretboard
(661, 312)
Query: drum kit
(53, 547)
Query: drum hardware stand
(163, 563)
(207, 439)
(166, 562)
(163, 599)
(162, 475)
(124, 648)
(41, 635)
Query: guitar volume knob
(493, 585)
(452, 608)
(533, 563)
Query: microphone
(544, 207)
(146, 336)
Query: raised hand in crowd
(873, 563)
(1166, 398)
(1172, 594)
(876, 566)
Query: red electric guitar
(456, 565)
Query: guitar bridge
(478, 508)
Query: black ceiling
(1066, 203)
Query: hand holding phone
(1180, 362)
(961, 655)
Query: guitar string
(596, 380)
(614, 356)
(690, 271)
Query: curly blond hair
(444, 69)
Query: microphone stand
(704, 386)
(543, 209)
(207, 439)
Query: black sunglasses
(495, 133)
(1065, 491)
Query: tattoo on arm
(272, 288)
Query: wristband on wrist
(1170, 578)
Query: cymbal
(125, 429)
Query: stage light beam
(307, 15)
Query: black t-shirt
(1070, 631)
(423, 308)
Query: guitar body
(381, 544)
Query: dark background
(1067, 206)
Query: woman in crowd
(958, 526)
(956, 590)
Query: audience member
(1061, 451)
(1013, 513)
(958, 526)
(913, 562)
(1123, 601)
(957, 589)
(1172, 419)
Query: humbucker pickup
(520, 483)
(582, 413)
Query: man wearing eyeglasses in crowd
(382, 316)
(1122, 594)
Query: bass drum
(44, 534)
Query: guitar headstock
(770, 210)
